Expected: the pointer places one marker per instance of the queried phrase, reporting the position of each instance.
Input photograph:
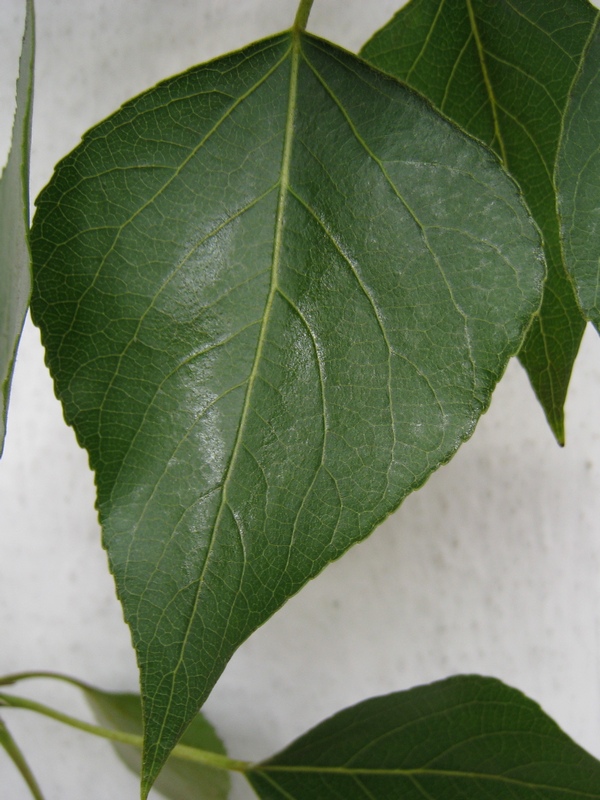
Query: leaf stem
(15, 677)
(18, 759)
(181, 751)
(302, 15)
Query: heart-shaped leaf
(578, 180)
(465, 737)
(503, 72)
(15, 271)
(276, 292)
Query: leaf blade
(503, 72)
(576, 177)
(264, 349)
(466, 736)
(15, 270)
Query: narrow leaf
(15, 271)
(465, 737)
(503, 72)
(14, 752)
(276, 292)
(578, 179)
(179, 780)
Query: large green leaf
(465, 737)
(15, 272)
(179, 780)
(578, 180)
(503, 72)
(276, 292)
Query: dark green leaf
(276, 292)
(578, 180)
(503, 72)
(465, 737)
(14, 752)
(15, 273)
(179, 780)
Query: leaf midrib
(277, 248)
(267, 769)
(486, 79)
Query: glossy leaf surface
(503, 72)
(13, 751)
(179, 780)
(15, 272)
(276, 293)
(578, 179)
(465, 737)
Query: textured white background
(493, 567)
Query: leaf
(179, 780)
(464, 737)
(503, 72)
(276, 292)
(15, 270)
(578, 170)
(14, 752)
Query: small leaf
(465, 737)
(179, 780)
(15, 272)
(276, 292)
(578, 179)
(14, 752)
(503, 72)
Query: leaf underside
(276, 293)
(15, 270)
(179, 779)
(579, 183)
(503, 72)
(465, 737)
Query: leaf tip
(152, 763)
(557, 426)
(145, 789)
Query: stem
(15, 677)
(302, 15)
(18, 759)
(181, 751)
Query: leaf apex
(557, 426)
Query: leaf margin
(18, 247)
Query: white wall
(494, 567)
